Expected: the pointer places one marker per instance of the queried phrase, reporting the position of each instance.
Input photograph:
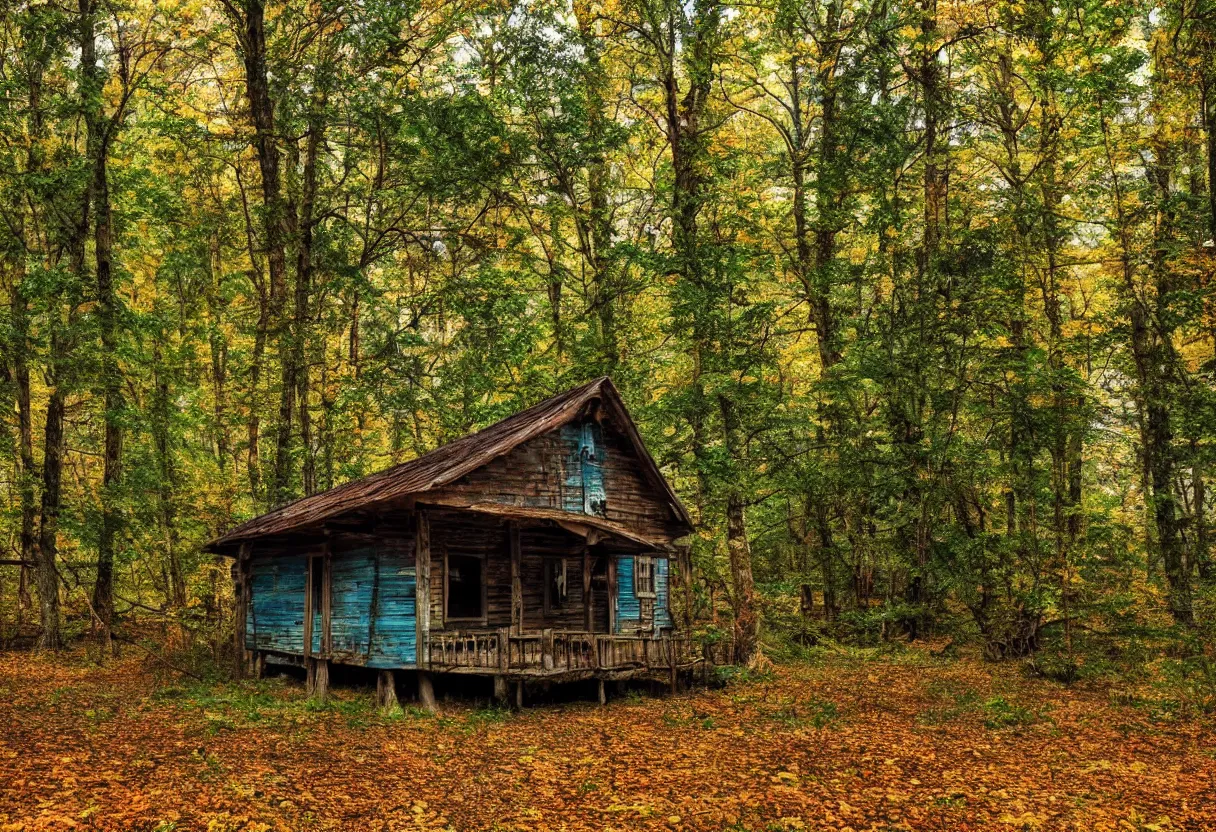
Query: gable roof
(450, 462)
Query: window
(465, 597)
(643, 577)
(556, 586)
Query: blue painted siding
(275, 617)
(662, 601)
(352, 576)
(583, 491)
(395, 641)
(627, 607)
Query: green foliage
(917, 309)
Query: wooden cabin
(536, 549)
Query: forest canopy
(913, 301)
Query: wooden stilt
(500, 690)
(318, 679)
(519, 694)
(386, 690)
(603, 693)
(426, 691)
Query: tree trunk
(52, 468)
(743, 597)
(277, 226)
(99, 136)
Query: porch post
(517, 587)
(588, 602)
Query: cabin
(537, 549)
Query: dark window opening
(557, 587)
(464, 587)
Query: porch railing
(557, 651)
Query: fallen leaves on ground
(908, 744)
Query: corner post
(422, 589)
(422, 608)
(240, 654)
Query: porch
(563, 655)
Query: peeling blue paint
(628, 609)
(352, 576)
(275, 616)
(583, 487)
(395, 642)
(662, 601)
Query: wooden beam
(580, 524)
(588, 601)
(422, 590)
(308, 610)
(517, 587)
(611, 594)
(327, 592)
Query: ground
(852, 741)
